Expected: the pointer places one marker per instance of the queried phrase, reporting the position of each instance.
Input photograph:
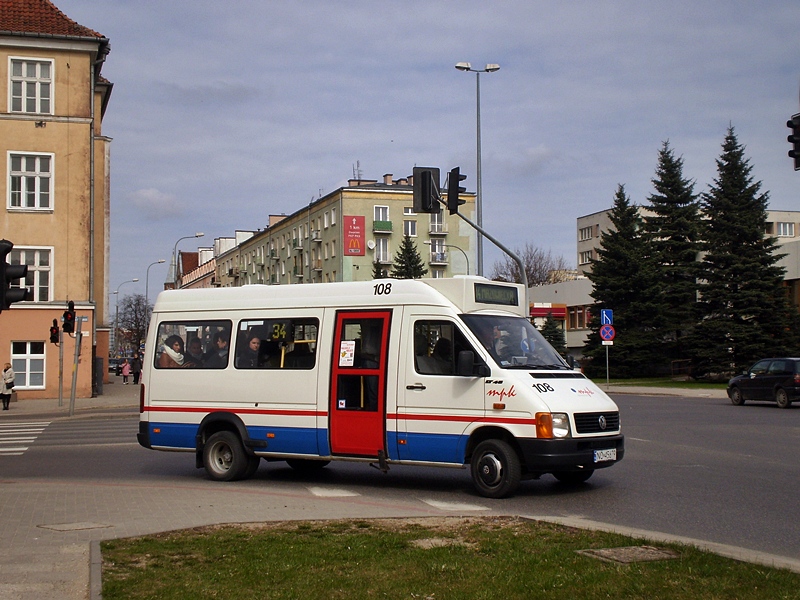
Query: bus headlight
(552, 425)
(560, 425)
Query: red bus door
(358, 383)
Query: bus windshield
(513, 342)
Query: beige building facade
(55, 190)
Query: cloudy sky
(225, 112)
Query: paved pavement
(50, 531)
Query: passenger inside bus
(172, 353)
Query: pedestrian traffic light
(426, 190)
(794, 139)
(54, 332)
(8, 274)
(454, 191)
(69, 318)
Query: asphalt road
(694, 467)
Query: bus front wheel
(224, 457)
(496, 469)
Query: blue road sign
(607, 333)
(606, 316)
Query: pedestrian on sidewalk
(7, 385)
(136, 368)
(126, 371)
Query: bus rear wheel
(224, 457)
(496, 469)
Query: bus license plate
(604, 455)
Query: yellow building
(56, 191)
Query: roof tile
(39, 16)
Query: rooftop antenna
(357, 170)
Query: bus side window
(436, 345)
(180, 344)
(288, 344)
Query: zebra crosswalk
(16, 438)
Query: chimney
(387, 179)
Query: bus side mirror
(571, 361)
(466, 366)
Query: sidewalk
(115, 395)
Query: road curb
(95, 571)
(734, 552)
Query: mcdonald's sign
(354, 234)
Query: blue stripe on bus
(433, 447)
(292, 440)
(430, 447)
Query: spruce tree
(623, 278)
(407, 262)
(378, 272)
(552, 331)
(673, 231)
(745, 313)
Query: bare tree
(133, 317)
(540, 267)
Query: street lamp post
(116, 312)
(491, 68)
(199, 234)
(466, 258)
(147, 281)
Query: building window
(29, 187)
(39, 267)
(585, 233)
(437, 222)
(333, 249)
(437, 273)
(27, 360)
(382, 250)
(325, 218)
(381, 213)
(408, 210)
(31, 85)
(785, 229)
(333, 217)
(410, 228)
(584, 258)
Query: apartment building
(784, 225)
(55, 189)
(340, 236)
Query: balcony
(438, 258)
(297, 271)
(437, 229)
(382, 227)
(383, 259)
(316, 265)
(316, 236)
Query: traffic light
(69, 318)
(8, 274)
(794, 139)
(454, 191)
(426, 190)
(54, 332)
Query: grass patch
(431, 559)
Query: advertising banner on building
(354, 236)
